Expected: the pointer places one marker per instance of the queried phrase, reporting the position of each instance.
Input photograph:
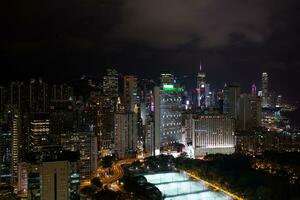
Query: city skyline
(150, 100)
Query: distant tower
(253, 90)
(201, 86)
(264, 88)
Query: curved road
(117, 171)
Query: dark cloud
(146, 37)
(210, 23)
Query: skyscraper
(17, 95)
(168, 117)
(249, 115)
(11, 145)
(110, 83)
(61, 92)
(130, 93)
(39, 131)
(231, 95)
(126, 130)
(38, 96)
(264, 88)
(201, 88)
(106, 107)
(86, 144)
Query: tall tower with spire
(201, 86)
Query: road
(117, 171)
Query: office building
(11, 145)
(52, 174)
(63, 119)
(249, 116)
(39, 131)
(210, 134)
(231, 100)
(126, 134)
(167, 79)
(38, 96)
(86, 144)
(18, 95)
(168, 117)
(130, 94)
(106, 107)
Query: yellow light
(215, 186)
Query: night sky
(236, 40)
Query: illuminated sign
(169, 87)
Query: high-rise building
(201, 88)
(149, 136)
(38, 96)
(168, 117)
(264, 88)
(231, 100)
(17, 95)
(110, 83)
(86, 144)
(61, 92)
(11, 145)
(130, 92)
(106, 107)
(167, 79)
(63, 119)
(52, 174)
(249, 112)
(211, 134)
(126, 130)
(39, 131)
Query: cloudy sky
(235, 40)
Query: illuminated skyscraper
(110, 83)
(39, 131)
(264, 88)
(201, 88)
(17, 95)
(106, 107)
(11, 145)
(168, 117)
